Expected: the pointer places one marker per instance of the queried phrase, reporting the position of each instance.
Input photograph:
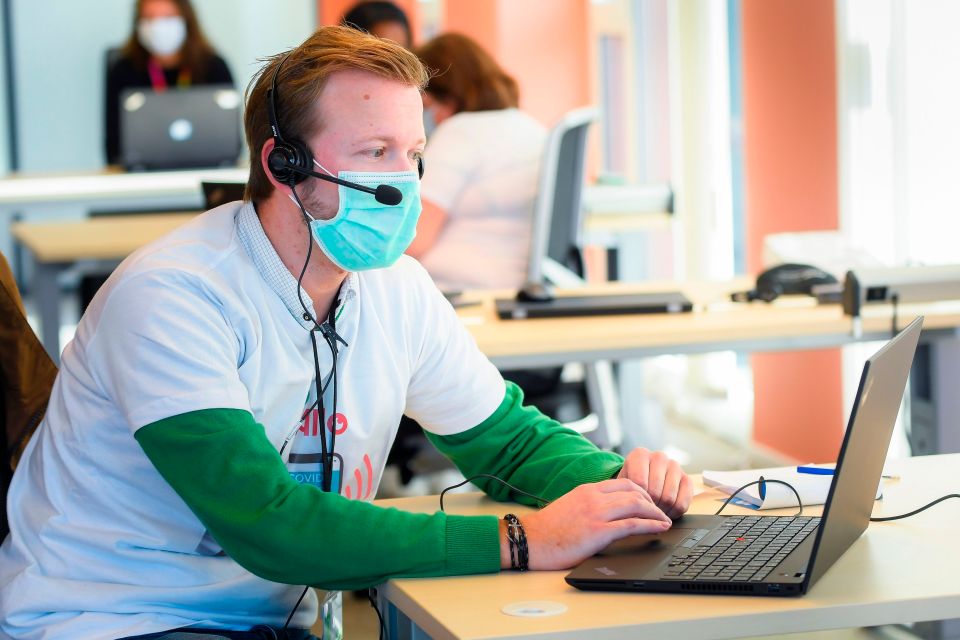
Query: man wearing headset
(221, 420)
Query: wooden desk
(102, 238)
(901, 571)
(789, 324)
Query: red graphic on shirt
(310, 424)
(341, 423)
(358, 477)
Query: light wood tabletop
(102, 238)
(896, 572)
(790, 323)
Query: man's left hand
(669, 487)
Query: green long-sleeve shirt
(221, 464)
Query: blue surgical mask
(366, 234)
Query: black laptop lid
(846, 513)
(180, 127)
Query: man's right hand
(584, 521)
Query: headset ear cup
(285, 155)
(278, 161)
(304, 159)
(420, 166)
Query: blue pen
(828, 471)
(816, 471)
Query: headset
(291, 162)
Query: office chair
(556, 259)
(26, 378)
(218, 193)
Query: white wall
(4, 142)
(59, 50)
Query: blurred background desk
(888, 576)
(112, 187)
(791, 323)
(72, 196)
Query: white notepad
(812, 488)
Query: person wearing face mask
(165, 50)
(219, 425)
(483, 156)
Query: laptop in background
(180, 128)
(771, 555)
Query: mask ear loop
(329, 173)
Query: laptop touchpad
(652, 541)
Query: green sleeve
(534, 453)
(221, 464)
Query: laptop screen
(180, 128)
(849, 504)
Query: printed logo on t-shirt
(305, 463)
(362, 484)
(307, 468)
(341, 423)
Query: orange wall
(331, 11)
(790, 153)
(541, 43)
(790, 105)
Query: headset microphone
(384, 193)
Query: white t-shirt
(208, 317)
(482, 167)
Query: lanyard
(159, 82)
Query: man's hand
(669, 487)
(584, 521)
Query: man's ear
(264, 163)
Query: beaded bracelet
(519, 554)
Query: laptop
(771, 555)
(597, 305)
(180, 128)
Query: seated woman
(166, 48)
(482, 166)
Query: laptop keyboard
(743, 549)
